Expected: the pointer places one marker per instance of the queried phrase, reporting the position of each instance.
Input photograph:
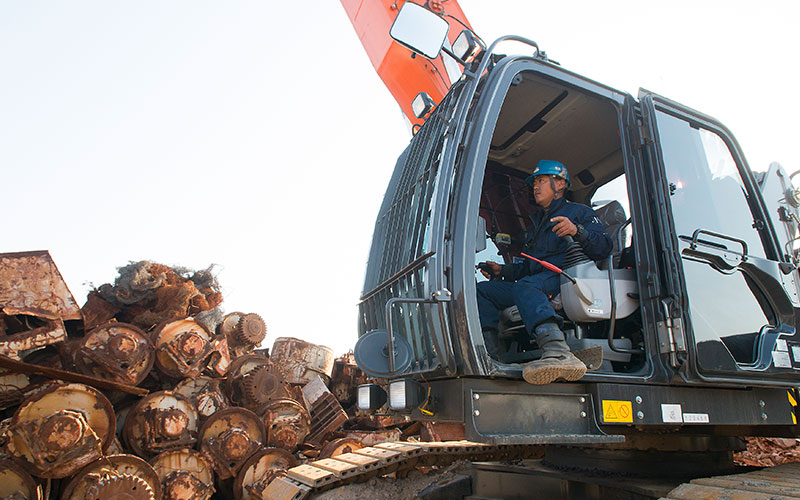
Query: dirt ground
(388, 488)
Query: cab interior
(547, 119)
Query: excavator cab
(696, 310)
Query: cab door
(735, 313)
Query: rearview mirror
(419, 29)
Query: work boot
(557, 362)
(491, 341)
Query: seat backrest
(612, 216)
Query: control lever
(583, 291)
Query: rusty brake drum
(287, 423)
(161, 421)
(112, 473)
(229, 438)
(184, 475)
(118, 351)
(182, 348)
(59, 430)
(256, 474)
(15, 481)
(205, 393)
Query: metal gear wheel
(262, 385)
(123, 487)
(250, 329)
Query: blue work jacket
(541, 242)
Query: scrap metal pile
(149, 392)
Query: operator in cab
(530, 285)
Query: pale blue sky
(256, 135)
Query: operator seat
(595, 274)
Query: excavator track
(774, 483)
(385, 458)
(299, 483)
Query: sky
(257, 137)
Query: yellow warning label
(617, 411)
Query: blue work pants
(530, 294)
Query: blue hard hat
(549, 167)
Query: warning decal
(617, 411)
(793, 402)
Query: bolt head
(583, 414)
(640, 415)
(763, 416)
(582, 399)
(476, 413)
(638, 400)
(761, 403)
(476, 397)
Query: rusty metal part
(229, 438)
(301, 360)
(61, 429)
(103, 470)
(31, 369)
(228, 324)
(327, 415)
(262, 385)
(205, 393)
(238, 373)
(118, 351)
(256, 474)
(287, 423)
(14, 345)
(97, 311)
(16, 484)
(182, 348)
(340, 446)
(161, 421)
(123, 487)
(345, 379)
(442, 431)
(184, 474)
(220, 359)
(31, 284)
(371, 438)
(12, 388)
(250, 330)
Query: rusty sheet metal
(327, 415)
(371, 438)
(301, 360)
(31, 284)
(52, 333)
(442, 431)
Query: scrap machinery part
(242, 392)
(346, 378)
(220, 359)
(339, 447)
(107, 471)
(205, 393)
(182, 348)
(326, 414)
(287, 423)
(261, 385)
(31, 284)
(118, 351)
(123, 487)
(60, 429)
(256, 474)
(12, 388)
(13, 346)
(184, 474)
(227, 326)
(250, 330)
(301, 360)
(229, 438)
(161, 421)
(16, 484)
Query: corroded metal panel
(31, 284)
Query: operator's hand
(494, 267)
(564, 226)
